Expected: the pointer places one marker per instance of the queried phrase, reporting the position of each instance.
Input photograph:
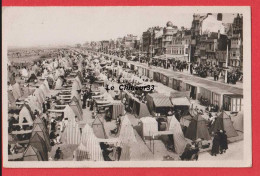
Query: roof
(181, 101)
(148, 120)
(162, 102)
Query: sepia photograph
(137, 86)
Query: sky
(49, 26)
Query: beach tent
(71, 134)
(197, 129)
(126, 134)
(178, 137)
(39, 95)
(32, 78)
(58, 84)
(118, 109)
(149, 126)
(33, 103)
(223, 122)
(81, 153)
(69, 113)
(45, 82)
(185, 120)
(37, 142)
(90, 141)
(26, 113)
(238, 121)
(31, 154)
(24, 73)
(17, 93)
(40, 128)
(75, 106)
(44, 89)
(76, 85)
(11, 99)
(98, 128)
(27, 91)
(79, 82)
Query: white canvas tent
(178, 137)
(149, 126)
(25, 113)
(127, 135)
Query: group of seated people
(191, 151)
(111, 152)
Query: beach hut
(159, 103)
(197, 129)
(233, 102)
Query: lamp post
(166, 57)
(226, 69)
(189, 61)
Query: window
(236, 104)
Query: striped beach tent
(178, 137)
(71, 134)
(92, 145)
(81, 153)
(118, 109)
(126, 134)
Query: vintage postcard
(126, 86)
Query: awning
(162, 102)
(181, 101)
